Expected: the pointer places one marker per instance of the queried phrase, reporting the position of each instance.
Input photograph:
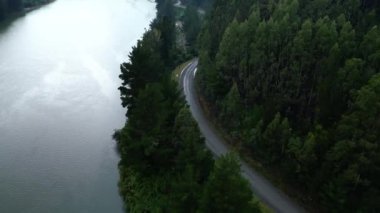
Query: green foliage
(226, 190)
(231, 107)
(145, 66)
(8, 7)
(34, 3)
(147, 148)
(287, 77)
(141, 193)
(191, 27)
(204, 4)
(276, 136)
(165, 22)
(353, 160)
(165, 166)
(191, 145)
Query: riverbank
(30, 9)
(12, 16)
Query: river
(59, 104)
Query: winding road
(263, 189)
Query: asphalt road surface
(262, 188)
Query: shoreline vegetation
(165, 165)
(11, 9)
(37, 6)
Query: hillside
(295, 84)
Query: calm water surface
(59, 104)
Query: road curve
(262, 188)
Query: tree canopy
(165, 165)
(291, 80)
(8, 7)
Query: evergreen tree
(288, 73)
(142, 140)
(191, 26)
(276, 137)
(353, 160)
(231, 108)
(193, 152)
(145, 66)
(226, 190)
(165, 165)
(165, 24)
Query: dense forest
(203, 4)
(8, 7)
(165, 166)
(296, 84)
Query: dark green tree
(143, 140)
(353, 161)
(232, 108)
(191, 144)
(306, 61)
(226, 190)
(145, 66)
(191, 27)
